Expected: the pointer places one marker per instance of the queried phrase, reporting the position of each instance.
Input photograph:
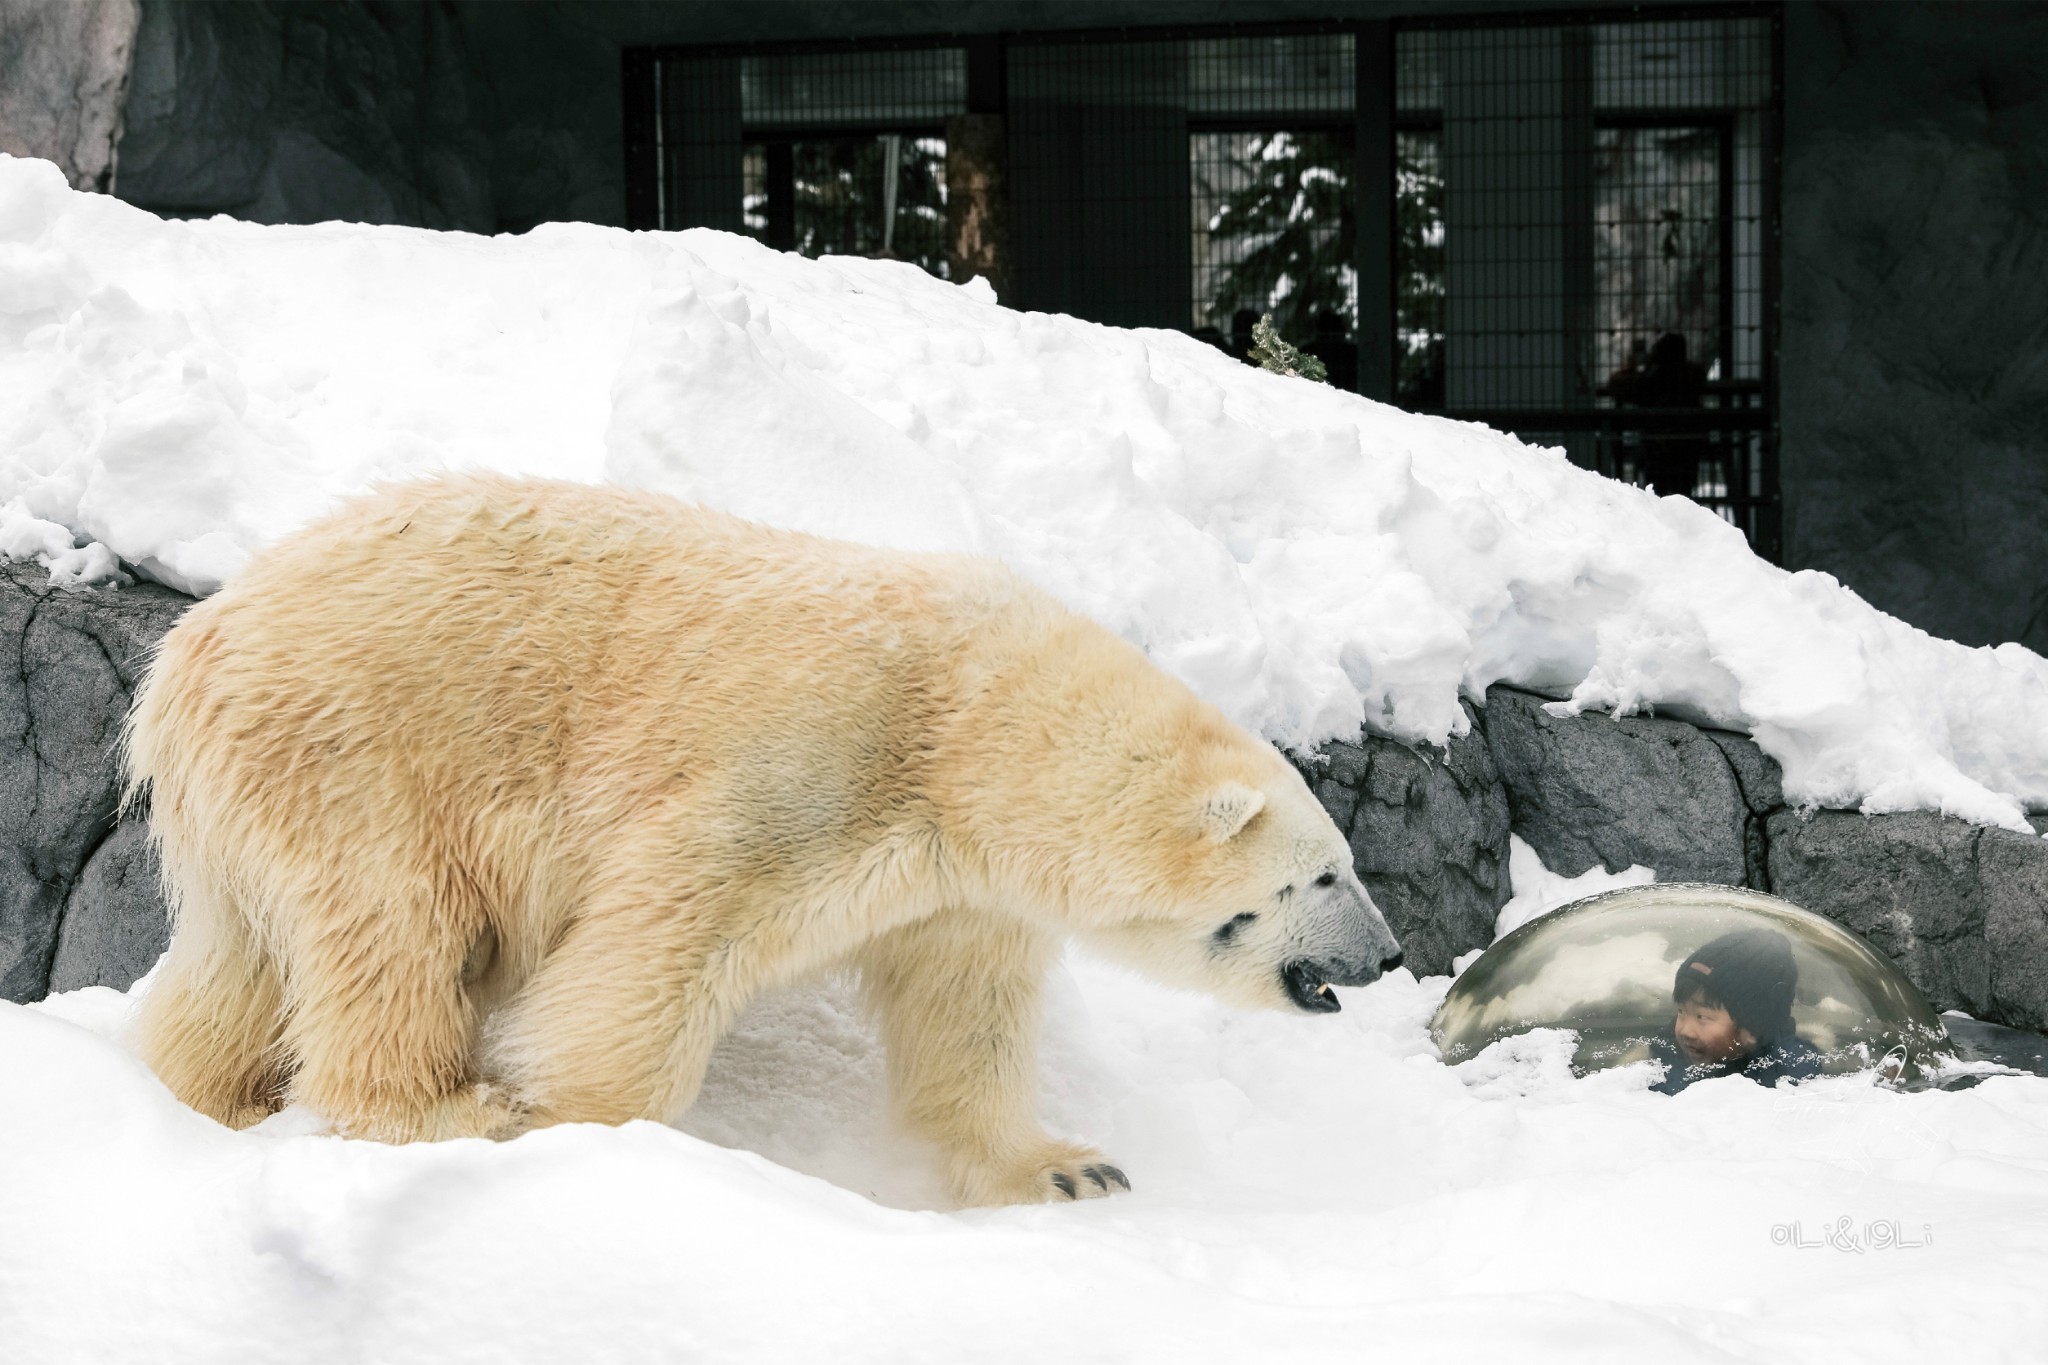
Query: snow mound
(1322, 1187)
(184, 392)
(1538, 890)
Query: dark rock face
(69, 661)
(1913, 368)
(1908, 883)
(2012, 869)
(1762, 784)
(1590, 789)
(486, 118)
(1963, 910)
(114, 926)
(1429, 838)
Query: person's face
(1708, 1035)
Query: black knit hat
(1751, 974)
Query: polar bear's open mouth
(1306, 987)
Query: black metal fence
(1563, 225)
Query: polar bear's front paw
(1092, 1181)
(1052, 1174)
(474, 1110)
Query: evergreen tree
(1298, 212)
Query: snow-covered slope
(1308, 560)
(1313, 1188)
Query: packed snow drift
(1321, 1188)
(183, 392)
(175, 395)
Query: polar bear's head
(1174, 841)
(1249, 894)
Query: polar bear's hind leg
(380, 1024)
(211, 1023)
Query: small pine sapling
(1271, 352)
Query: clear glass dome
(1605, 968)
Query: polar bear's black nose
(1387, 964)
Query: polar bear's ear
(1228, 808)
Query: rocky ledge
(79, 904)
(1962, 909)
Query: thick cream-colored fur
(486, 804)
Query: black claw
(1094, 1173)
(1114, 1174)
(1064, 1183)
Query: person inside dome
(1734, 998)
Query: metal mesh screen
(874, 90)
(1272, 168)
(828, 153)
(1099, 180)
(862, 195)
(1585, 209)
(1562, 225)
(1193, 183)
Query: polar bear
(487, 803)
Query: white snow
(184, 392)
(1538, 890)
(72, 565)
(1321, 1187)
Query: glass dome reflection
(1604, 967)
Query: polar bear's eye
(1327, 879)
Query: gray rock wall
(69, 661)
(63, 77)
(1963, 910)
(1429, 837)
(114, 924)
(1661, 793)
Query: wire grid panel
(1584, 241)
(1601, 189)
(1581, 237)
(697, 143)
(1271, 224)
(864, 194)
(1272, 197)
(1273, 78)
(1419, 268)
(1099, 180)
(1188, 182)
(881, 90)
(823, 153)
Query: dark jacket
(1772, 1062)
